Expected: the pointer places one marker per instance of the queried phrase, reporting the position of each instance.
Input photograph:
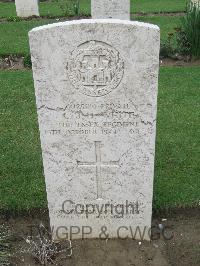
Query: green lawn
(53, 9)
(166, 24)
(177, 172)
(21, 180)
(15, 34)
(177, 180)
(146, 6)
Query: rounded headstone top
(95, 21)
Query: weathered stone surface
(27, 8)
(116, 9)
(96, 93)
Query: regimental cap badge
(95, 68)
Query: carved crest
(95, 68)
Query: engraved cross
(98, 164)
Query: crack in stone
(88, 114)
(106, 113)
(51, 109)
(148, 122)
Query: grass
(159, 6)
(22, 182)
(177, 181)
(144, 6)
(15, 34)
(177, 178)
(166, 24)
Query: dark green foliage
(167, 46)
(27, 61)
(13, 19)
(69, 7)
(183, 44)
(188, 37)
(77, 7)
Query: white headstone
(27, 8)
(96, 91)
(116, 9)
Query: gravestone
(96, 93)
(116, 9)
(27, 8)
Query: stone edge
(94, 21)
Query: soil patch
(183, 248)
(12, 63)
(179, 62)
(35, 18)
(17, 62)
